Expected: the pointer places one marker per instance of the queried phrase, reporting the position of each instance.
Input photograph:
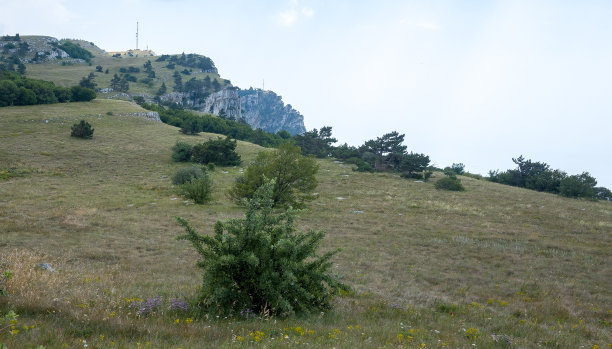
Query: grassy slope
(428, 267)
(70, 75)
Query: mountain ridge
(204, 91)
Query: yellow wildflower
(188, 320)
(177, 321)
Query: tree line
(539, 176)
(191, 123)
(19, 90)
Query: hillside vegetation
(494, 266)
(71, 74)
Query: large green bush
(220, 151)
(579, 186)
(82, 130)
(293, 174)
(260, 263)
(198, 189)
(449, 183)
(181, 152)
(82, 94)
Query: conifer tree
(115, 83)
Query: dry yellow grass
(426, 265)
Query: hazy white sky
(477, 82)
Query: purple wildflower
(179, 304)
(148, 306)
(246, 313)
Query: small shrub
(181, 152)
(6, 274)
(450, 173)
(109, 113)
(199, 189)
(412, 175)
(362, 166)
(473, 175)
(262, 264)
(449, 183)
(139, 100)
(186, 174)
(82, 130)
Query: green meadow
(492, 267)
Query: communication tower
(137, 35)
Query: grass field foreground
(491, 267)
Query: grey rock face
(266, 110)
(225, 103)
(260, 109)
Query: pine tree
(88, 81)
(124, 86)
(178, 81)
(162, 89)
(115, 83)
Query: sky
(472, 82)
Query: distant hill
(189, 81)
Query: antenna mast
(137, 35)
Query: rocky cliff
(266, 110)
(225, 103)
(259, 108)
